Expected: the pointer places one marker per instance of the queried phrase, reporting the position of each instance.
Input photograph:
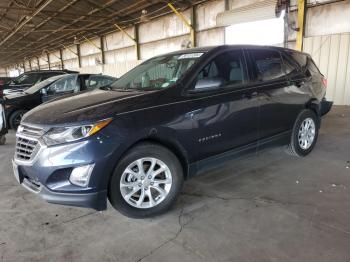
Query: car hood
(87, 107)
(16, 95)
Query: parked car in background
(3, 126)
(166, 120)
(18, 103)
(4, 81)
(31, 78)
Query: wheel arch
(172, 146)
(315, 106)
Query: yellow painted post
(66, 47)
(187, 23)
(126, 33)
(92, 43)
(300, 33)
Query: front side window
(225, 70)
(268, 64)
(157, 73)
(66, 84)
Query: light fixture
(144, 16)
(76, 41)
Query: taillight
(324, 81)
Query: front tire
(146, 181)
(305, 134)
(15, 119)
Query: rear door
(279, 98)
(225, 117)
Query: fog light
(80, 176)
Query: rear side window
(268, 64)
(312, 67)
(229, 67)
(300, 58)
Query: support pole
(79, 55)
(37, 59)
(102, 43)
(48, 60)
(301, 24)
(137, 44)
(61, 59)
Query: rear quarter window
(300, 58)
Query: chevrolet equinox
(135, 141)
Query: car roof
(49, 71)
(218, 47)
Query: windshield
(42, 84)
(25, 79)
(157, 73)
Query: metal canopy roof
(30, 27)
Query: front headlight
(61, 135)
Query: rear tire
(15, 119)
(305, 134)
(139, 187)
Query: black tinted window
(26, 79)
(228, 67)
(300, 58)
(268, 63)
(312, 67)
(289, 65)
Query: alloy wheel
(146, 182)
(306, 135)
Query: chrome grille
(27, 145)
(25, 148)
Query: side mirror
(206, 84)
(43, 91)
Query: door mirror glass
(43, 91)
(208, 83)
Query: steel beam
(16, 29)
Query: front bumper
(47, 173)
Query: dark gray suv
(135, 142)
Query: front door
(225, 108)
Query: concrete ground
(270, 207)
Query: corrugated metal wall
(332, 55)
